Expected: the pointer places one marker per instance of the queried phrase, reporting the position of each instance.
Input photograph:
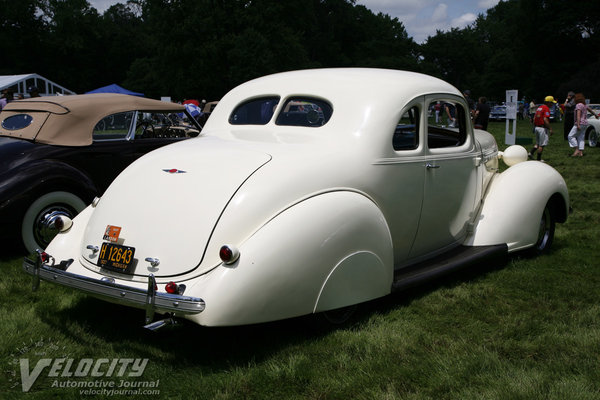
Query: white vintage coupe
(307, 192)
(593, 131)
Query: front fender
(514, 203)
(328, 251)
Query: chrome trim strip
(150, 300)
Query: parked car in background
(593, 131)
(498, 113)
(278, 210)
(595, 107)
(58, 153)
(207, 109)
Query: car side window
(304, 111)
(113, 127)
(448, 128)
(151, 125)
(254, 112)
(406, 134)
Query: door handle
(431, 166)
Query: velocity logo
(69, 368)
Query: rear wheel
(37, 229)
(592, 137)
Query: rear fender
(514, 203)
(328, 251)
(33, 179)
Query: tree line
(203, 48)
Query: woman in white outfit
(577, 134)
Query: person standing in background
(577, 134)
(532, 108)
(541, 121)
(482, 114)
(569, 114)
(6, 97)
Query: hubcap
(44, 229)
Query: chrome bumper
(148, 299)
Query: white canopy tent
(20, 83)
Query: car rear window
(18, 121)
(304, 111)
(257, 111)
(22, 125)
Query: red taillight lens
(172, 288)
(229, 254)
(44, 256)
(225, 253)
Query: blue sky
(421, 18)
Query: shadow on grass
(188, 344)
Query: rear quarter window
(257, 111)
(304, 111)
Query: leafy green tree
(22, 31)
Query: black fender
(20, 187)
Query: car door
(451, 176)
(401, 173)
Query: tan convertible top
(70, 120)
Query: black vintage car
(58, 153)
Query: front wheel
(545, 232)
(592, 137)
(38, 229)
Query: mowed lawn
(527, 329)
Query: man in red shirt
(541, 121)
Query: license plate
(116, 257)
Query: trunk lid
(168, 202)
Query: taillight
(171, 287)
(174, 288)
(44, 256)
(229, 254)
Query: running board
(459, 258)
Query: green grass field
(528, 329)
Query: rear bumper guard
(148, 299)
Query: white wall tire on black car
(36, 231)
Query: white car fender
(332, 250)
(67, 243)
(514, 203)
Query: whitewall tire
(36, 230)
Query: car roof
(70, 120)
(352, 92)
(338, 82)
